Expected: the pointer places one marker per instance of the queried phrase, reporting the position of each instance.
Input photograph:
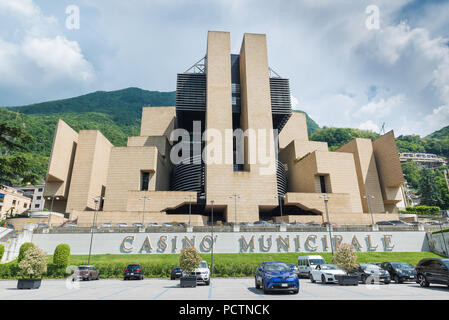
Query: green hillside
(311, 125)
(440, 134)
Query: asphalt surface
(220, 289)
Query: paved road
(220, 289)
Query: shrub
(2, 251)
(424, 210)
(34, 262)
(24, 248)
(61, 255)
(189, 259)
(346, 257)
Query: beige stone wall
(54, 221)
(390, 171)
(367, 174)
(125, 167)
(158, 121)
(294, 129)
(338, 202)
(255, 188)
(57, 181)
(161, 142)
(89, 170)
(160, 200)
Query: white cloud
(369, 125)
(380, 107)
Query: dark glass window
(323, 184)
(145, 181)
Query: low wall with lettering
(233, 242)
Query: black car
(176, 273)
(368, 272)
(384, 223)
(399, 271)
(133, 271)
(432, 270)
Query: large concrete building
(231, 145)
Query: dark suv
(433, 270)
(399, 271)
(133, 271)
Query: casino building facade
(222, 93)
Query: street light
(190, 197)
(212, 246)
(144, 198)
(52, 198)
(281, 198)
(326, 199)
(367, 197)
(97, 200)
(235, 196)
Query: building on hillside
(426, 160)
(12, 202)
(230, 146)
(36, 194)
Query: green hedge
(2, 251)
(61, 255)
(23, 248)
(422, 210)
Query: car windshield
(329, 267)
(401, 265)
(314, 262)
(369, 267)
(280, 267)
(203, 264)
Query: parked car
(122, 224)
(86, 273)
(399, 271)
(176, 273)
(282, 223)
(432, 270)
(276, 275)
(308, 263)
(42, 225)
(182, 224)
(138, 225)
(167, 224)
(70, 225)
(326, 273)
(384, 223)
(399, 223)
(370, 272)
(294, 268)
(106, 225)
(312, 224)
(153, 224)
(297, 224)
(202, 273)
(262, 223)
(245, 224)
(133, 271)
(325, 224)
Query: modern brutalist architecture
(224, 92)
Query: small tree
(189, 259)
(61, 255)
(2, 251)
(34, 263)
(23, 249)
(346, 257)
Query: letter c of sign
(124, 244)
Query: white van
(307, 263)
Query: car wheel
(387, 282)
(423, 281)
(323, 279)
(263, 287)
(296, 291)
(396, 279)
(312, 279)
(363, 279)
(257, 285)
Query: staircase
(12, 240)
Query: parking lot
(220, 289)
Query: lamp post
(367, 197)
(190, 197)
(212, 234)
(52, 198)
(235, 196)
(281, 198)
(97, 200)
(144, 198)
(326, 199)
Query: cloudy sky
(343, 70)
